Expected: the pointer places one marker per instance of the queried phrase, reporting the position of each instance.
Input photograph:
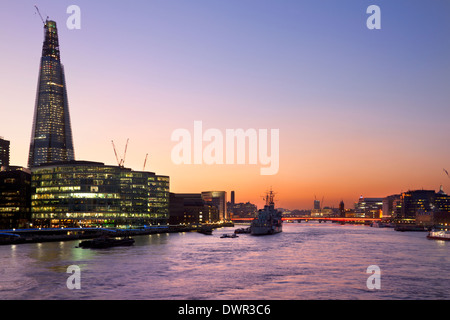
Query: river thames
(307, 261)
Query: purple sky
(359, 111)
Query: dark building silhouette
(15, 198)
(416, 201)
(191, 208)
(316, 204)
(232, 200)
(438, 216)
(342, 209)
(242, 210)
(4, 152)
(51, 138)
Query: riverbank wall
(21, 236)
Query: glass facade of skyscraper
(91, 194)
(51, 138)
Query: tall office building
(391, 206)
(4, 152)
(316, 204)
(342, 209)
(51, 138)
(188, 208)
(369, 207)
(218, 199)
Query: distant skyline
(359, 111)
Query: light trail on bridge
(337, 219)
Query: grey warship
(269, 219)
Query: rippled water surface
(305, 261)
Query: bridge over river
(319, 219)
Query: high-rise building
(437, 214)
(342, 209)
(218, 199)
(416, 201)
(4, 152)
(369, 207)
(190, 208)
(51, 138)
(230, 205)
(423, 202)
(316, 204)
(390, 206)
(442, 201)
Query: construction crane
(125, 153)
(120, 163)
(37, 9)
(114, 148)
(145, 162)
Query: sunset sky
(359, 111)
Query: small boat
(439, 235)
(242, 230)
(105, 242)
(234, 235)
(404, 228)
(206, 230)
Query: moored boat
(243, 230)
(207, 230)
(439, 235)
(269, 219)
(229, 235)
(105, 242)
(404, 228)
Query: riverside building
(92, 194)
(219, 200)
(15, 206)
(369, 208)
(190, 208)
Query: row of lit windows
(58, 210)
(92, 215)
(95, 179)
(76, 196)
(56, 189)
(9, 209)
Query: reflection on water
(305, 261)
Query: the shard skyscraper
(51, 138)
